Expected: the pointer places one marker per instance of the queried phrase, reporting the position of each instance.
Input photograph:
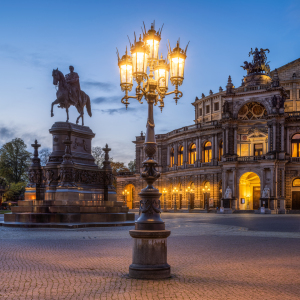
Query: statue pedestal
(73, 191)
(226, 206)
(149, 258)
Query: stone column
(282, 137)
(274, 136)
(216, 147)
(176, 154)
(185, 153)
(199, 150)
(168, 155)
(234, 190)
(235, 140)
(226, 139)
(287, 140)
(282, 201)
(269, 138)
(213, 145)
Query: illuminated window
(243, 150)
(172, 158)
(192, 154)
(221, 150)
(296, 145)
(258, 149)
(207, 152)
(296, 182)
(180, 156)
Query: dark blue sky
(37, 36)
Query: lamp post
(149, 258)
(165, 204)
(206, 190)
(175, 192)
(125, 194)
(189, 191)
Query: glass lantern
(161, 74)
(152, 39)
(125, 65)
(139, 52)
(177, 58)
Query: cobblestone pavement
(211, 257)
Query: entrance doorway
(296, 200)
(130, 197)
(249, 191)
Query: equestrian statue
(69, 93)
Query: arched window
(220, 151)
(192, 154)
(296, 145)
(207, 152)
(172, 158)
(296, 182)
(180, 156)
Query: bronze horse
(63, 100)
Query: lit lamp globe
(152, 39)
(139, 52)
(125, 65)
(177, 58)
(161, 75)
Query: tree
(98, 155)
(118, 167)
(14, 161)
(44, 156)
(132, 166)
(14, 191)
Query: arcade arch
(249, 191)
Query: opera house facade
(242, 152)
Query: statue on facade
(228, 193)
(69, 93)
(266, 192)
(259, 62)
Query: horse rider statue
(73, 80)
(69, 93)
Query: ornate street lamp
(189, 191)
(165, 204)
(125, 194)
(175, 192)
(153, 87)
(206, 190)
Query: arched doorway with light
(129, 196)
(249, 191)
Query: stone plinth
(71, 188)
(149, 258)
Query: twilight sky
(37, 36)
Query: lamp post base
(149, 259)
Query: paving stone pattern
(208, 261)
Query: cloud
(104, 86)
(111, 99)
(6, 133)
(117, 110)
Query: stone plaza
(212, 256)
